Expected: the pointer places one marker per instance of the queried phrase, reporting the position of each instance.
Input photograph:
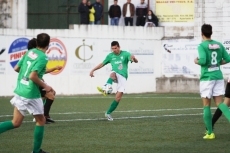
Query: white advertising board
(78, 57)
(178, 57)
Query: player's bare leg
(17, 118)
(113, 105)
(227, 101)
(112, 78)
(15, 123)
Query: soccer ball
(107, 88)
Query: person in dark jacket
(151, 18)
(115, 13)
(141, 11)
(128, 12)
(83, 9)
(98, 11)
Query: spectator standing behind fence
(141, 12)
(98, 11)
(91, 13)
(83, 9)
(152, 20)
(114, 13)
(128, 12)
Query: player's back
(212, 53)
(33, 60)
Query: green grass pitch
(143, 123)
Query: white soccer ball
(107, 88)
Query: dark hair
(43, 40)
(32, 43)
(206, 30)
(115, 43)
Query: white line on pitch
(128, 111)
(125, 97)
(136, 111)
(123, 118)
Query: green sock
(38, 136)
(110, 81)
(208, 119)
(224, 108)
(5, 126)
(112, 107)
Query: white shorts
(33, 106)
(211, 88)
(121, 82)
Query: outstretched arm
(53, 69)
(96, 68)
(133, 59)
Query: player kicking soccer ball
(211, 55)
(119, 60)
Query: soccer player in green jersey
(49, 97)
(27, 95)
(211, 55)
(119, 60)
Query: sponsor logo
(57, 55)
(226, 44)
(32, 55)
(2, 51)
(213, 46)
(166, 48)
(17, 49)
(82, 52)
(118, 62)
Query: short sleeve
(19, 64)
(202, 55)
(128, 55)
(40, 65)
(107, 60)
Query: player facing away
(27, 95)
(211, 54)
(119, 60)
(48, 98)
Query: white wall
(157, 70)
(164, 65)
(74, 78)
